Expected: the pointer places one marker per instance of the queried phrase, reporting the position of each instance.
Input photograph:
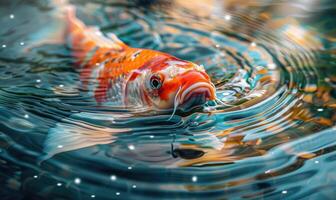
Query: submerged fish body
(117, 73)
(121, 75)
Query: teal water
(274, 136)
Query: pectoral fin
(71, 135)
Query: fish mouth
(197, 94)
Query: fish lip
(197, 88)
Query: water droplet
(131, 147)
(194, 179)
(227, 17)
(77, 180)
(113, 177)
(271, 66)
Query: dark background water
(273, 63)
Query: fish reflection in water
(270, 135)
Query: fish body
(130, 76)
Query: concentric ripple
(271, 133)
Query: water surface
(273, 136)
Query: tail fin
(71, 30)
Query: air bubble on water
(59, 184)
(22, 43)
(11, 16)
(131, 147)
(26, 116)
(35, 176)
(194, 179)
(113, 177)
(320, 109)
(271, 66)
(129, 167)
(284, 192)
(151, 136)
(227, 17)
(93, 196)
(134, 186)
(117, 193)
(4, 46)
(60, 146)
(77, 180)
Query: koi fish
(119, 74)
(133, 76)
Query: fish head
(176, 83)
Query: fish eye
(155, 81)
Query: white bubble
(38, 81)
(59, 184)
(93, 196)
(12, 16)
(317, 162)
(194, 179)
(35, 176)
(129, 167)
(4, 46)
(253, 44)
(26, 116)
(227, 17)
(77, 180)
(60, 146)
(22, 43)
(134, 186)
(151, 136)
(61, 85)
(113, 177)
(271, 66)
(117, 193)
(284, 192)
(320, 109)
(131, 147)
